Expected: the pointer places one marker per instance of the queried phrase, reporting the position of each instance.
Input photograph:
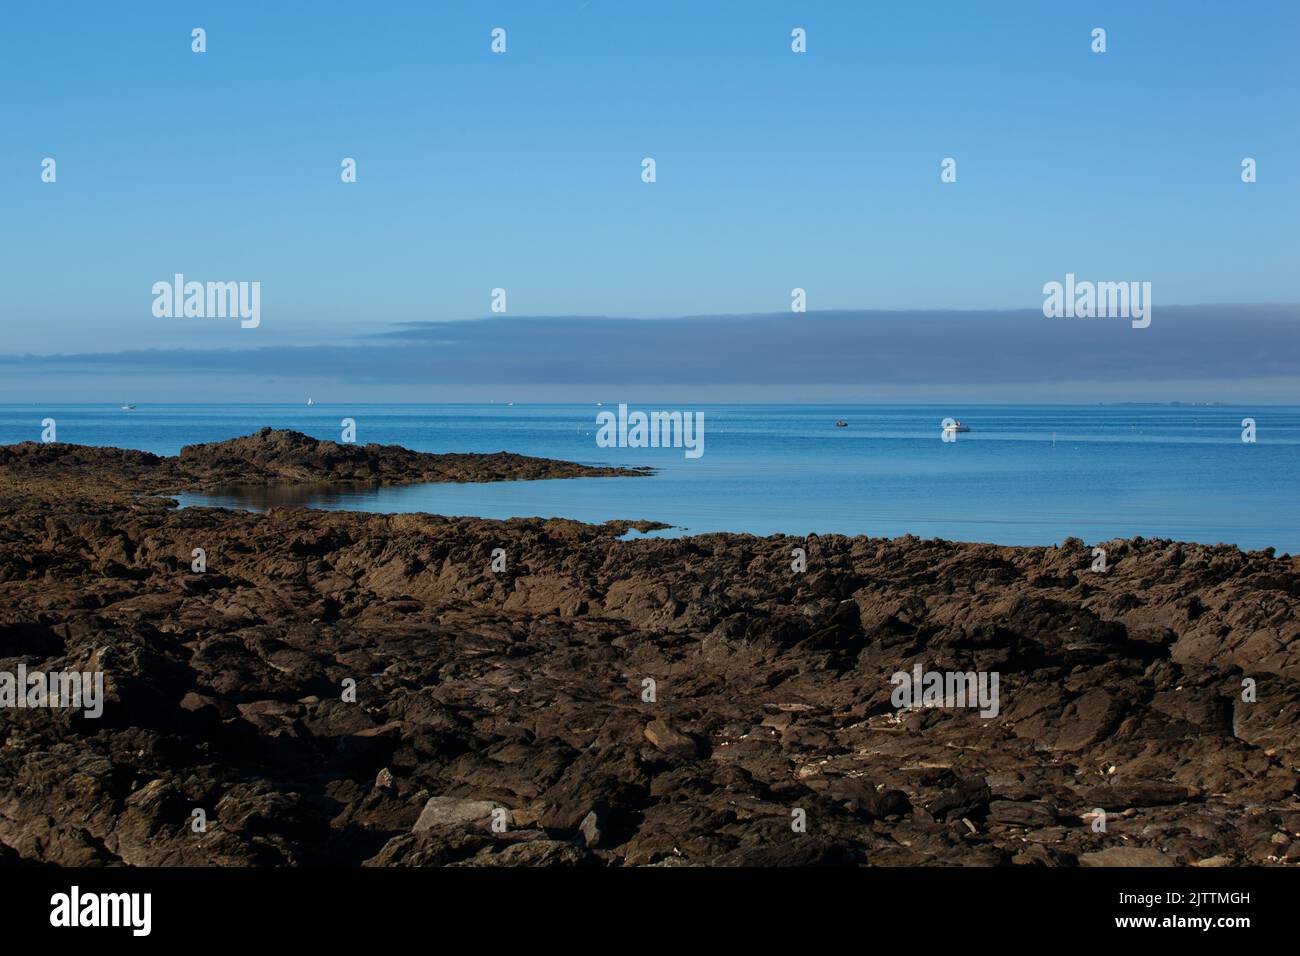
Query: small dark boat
(841, 423)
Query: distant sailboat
(310, 400)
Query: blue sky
(522, 170)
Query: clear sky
(523, 170)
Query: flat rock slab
(1126, 856)
(1021, 813)
(455, 811)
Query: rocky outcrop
(271, 456)
(363, 689)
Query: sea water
(1022, 475)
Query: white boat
(128, 408)
(952, 425)
(310, 400)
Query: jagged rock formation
(521, 698)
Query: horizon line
(1179, 403)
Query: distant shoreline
(271, 456)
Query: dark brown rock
(228, 691)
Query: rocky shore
(269, 456)
(366, 689)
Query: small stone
(1033, 855)
(668, 740)
(196, 702)
(591, 830)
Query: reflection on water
(335, 496)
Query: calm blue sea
(1110, 471)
